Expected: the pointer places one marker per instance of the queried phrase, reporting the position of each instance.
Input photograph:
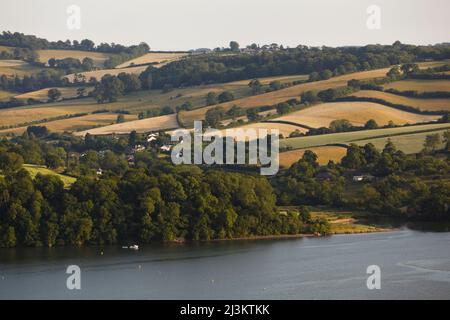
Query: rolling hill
(421, 104)
(98, 74)
(18, 67)
(358, 113)
(361, 136)
(74, 123)
(156, 58)
(134, 102)
(283, 95)
(41, 95)
(98, 57)
(324, 154)
(150, 124)
(419, 85)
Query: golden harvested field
(76, 123)
(419, 85)
(358, 113)
(98, 57)
(267, 80)
(41, 95)
(422, 104)
(98, 74)
(284, 129)
(160, 58)
(14, 116)
(324, 155)
(150, 124)
(5, 95)
(12, 63)
(17, 67)
(284, 94)
(8, 49)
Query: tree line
(319, 63)
(17, 39)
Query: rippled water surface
(414, 264)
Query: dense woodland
(17, 39)
(153, 200)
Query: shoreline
(248, 238)
(298, 236)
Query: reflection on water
(429, 226)
(413, 265)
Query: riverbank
(335, 230)
(348, 221)
(341, 222)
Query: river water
(413, 264)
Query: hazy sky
(187, 24)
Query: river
(413, 264)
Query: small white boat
(134, 247)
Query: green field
(431, 104)
(35, 169)
(409, 144)
(419, 85)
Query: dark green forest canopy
(138, 206)
(17, 39)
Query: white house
(139, 148)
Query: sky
(190, 24)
